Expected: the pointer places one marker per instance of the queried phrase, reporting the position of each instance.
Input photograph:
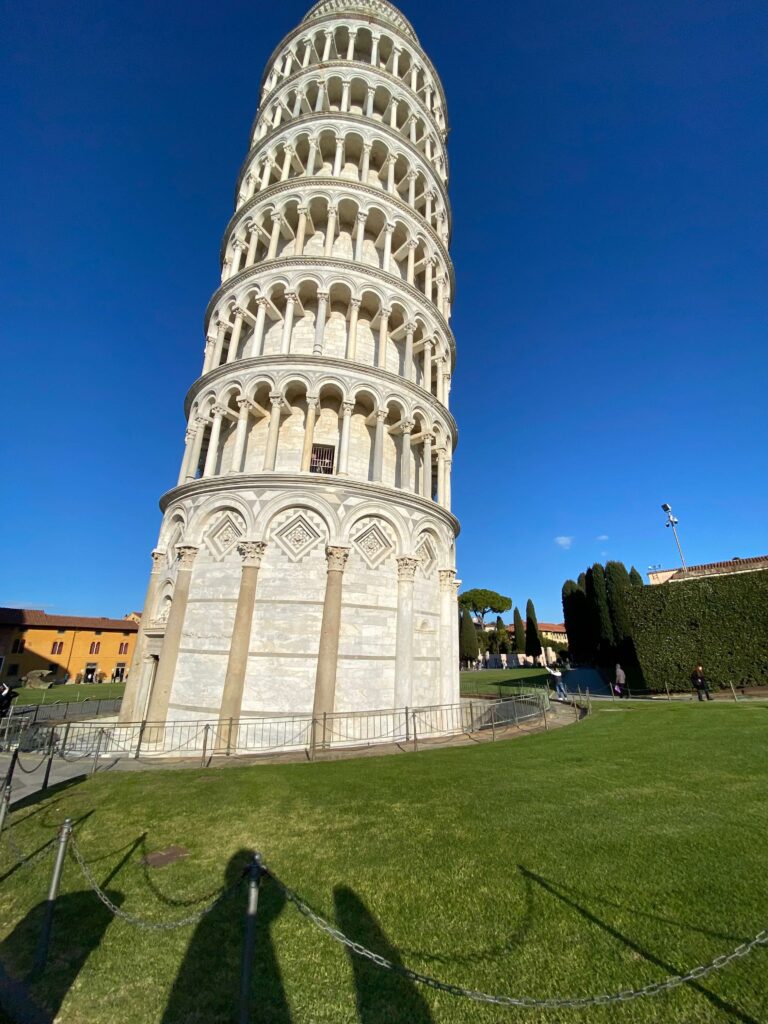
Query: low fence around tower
(254, 735)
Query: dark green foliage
(618, 585)
(532, 638)
(468, 647)
(719, 621)
(601, 627)
(635, 578)
(576, 624)
(502, 636)
(483, 601)
(519, 632)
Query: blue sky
(610, 234)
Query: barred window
(322, 458)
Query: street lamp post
(673, 521)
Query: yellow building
(74, 649)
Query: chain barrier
(524, 1002)
(137, 921)
(31, 771)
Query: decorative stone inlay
(373, 545)
(228, 529)
(425, 553)
(298, 537)
(406, 569)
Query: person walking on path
(700, 684)
(620, 686)
(560, 689)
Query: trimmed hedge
(721, 622)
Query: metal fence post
(47, 775)
(493, 722)
(407, 727)
(229, 736)
(63, 745)
(37, 712)
(11, 768)
(205, 745)
(589, 702)
(666, 687)
(415, 737)
(254, 872)
(471, 716)
(544, 709)
(97, 752)
(325, 730)
(44, 940)
(5, 803)
(732, 690)
(142, 727)
(313, 739)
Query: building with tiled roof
(758, 563)
(70, 647)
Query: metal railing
(73, 740)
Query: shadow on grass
(382, 997)
(80, 921)
(46, 794)
(207, 986)
(48, 844)
(559, 892)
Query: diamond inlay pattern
(373, 545)
(298, 537)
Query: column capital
(446, 577)
(389, 227)
(355, 303)
(239, 311)
(381, 414)
(430, 343)
(322, 295)
(385, 311)
(290, 296)
(408, 426)
(413, 244)
(276, 399)
(412, 175)
(410, 327)
(189, 433)
(406, 568)
(221, 325)
(251, 552)
(185, 556)
(262, 302)
(302, 210)
(362, 217)
(312, 401)
(219, 410)
(158, 560)
(347, 408)
(239, 245)
(245, 403)
(337, 558)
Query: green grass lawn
(85, 691)
(596, 857)
(499, 682)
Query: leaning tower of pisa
(306, 556)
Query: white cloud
(564, 542)
(603, 536)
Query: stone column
(410, 330)
(213, 442)
(412, 176)
(428, 269)
(447, 630)
(426, 382)
(406, 482)
(428, 207)
(338, 156)
(210, 345)
(221, 331)
(327, 47)
(330, 230)
(274, 237)
(441, 477)
(301, 231)
(251, 552)
(189, 441)
(285, 339)
(197, 447)
(367, 150)
(391, 161)
(311, 157)
(240, 434)
(309, 433)
(360, 236)
(128, 707)
(169, 653)
(447, 484)
(346, 410)
(351, 44)
(352, 336)
(270, 453)
(406, 571)
(378, 445)
(258, 328)
(328, 654)
(411, 265)
(286, 169)
(383, 338)
(253, 241)
(426, 467)
(375, 50)
(238, 249)
(387, 258)
(322, 305)
(237, 328)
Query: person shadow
(382, 996)
(207, 986)
(80, 922)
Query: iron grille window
(322, 458)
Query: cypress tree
(532, 638)
(618, 585)
(573, 614)
(600, 617)
(635, 578)
(519, 632)
(468, 647)
(503, 636)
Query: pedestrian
(621, 683)
(560, 689)
(700, 684)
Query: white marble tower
(306, 556)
